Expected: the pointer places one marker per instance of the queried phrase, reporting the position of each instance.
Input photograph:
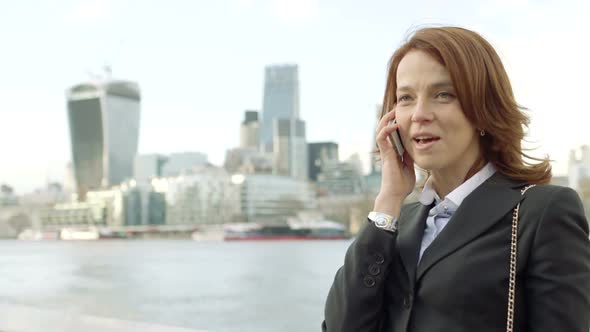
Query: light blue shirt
(440, 214)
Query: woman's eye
(403, 98)
(444, 95)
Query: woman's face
(434, 130)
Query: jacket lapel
(409, 240)
(479, 211)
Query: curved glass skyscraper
(104, 131)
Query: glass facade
(290, 149)
(281, 100)
(320, 154)
(265, 197)
(86, 132)
(104, 131)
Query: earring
(482, 132)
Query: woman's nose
(422, 112)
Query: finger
(382, 138)
(385, 120)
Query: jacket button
(379, 259)
(369, 281)
(374, 269)
(408, 301)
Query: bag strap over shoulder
(512, 272)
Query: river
(213, 286)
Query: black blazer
(461, 283)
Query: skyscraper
(104, 132)
(250, 130)
(281, 100)
(321, 154)
(290, 149)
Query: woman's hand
(397, 178)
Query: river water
(214, 286)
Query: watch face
(381, 221)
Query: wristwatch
(383, 221)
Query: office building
(7, 196)
(142, 204)
(280, 101)
(271, 198)
(341, 178)
(101, 208)
(148, 166)
(319, 154)
(204, 197)
(248, 160)
(290, 149)
(250, 131)
(104, 132)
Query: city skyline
(203, 65)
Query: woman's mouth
(425, 142)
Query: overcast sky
(200, 64)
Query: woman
(443, 263)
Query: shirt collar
(457, 196)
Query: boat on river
(291, 230)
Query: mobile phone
(397, 142)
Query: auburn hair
(485, 94)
